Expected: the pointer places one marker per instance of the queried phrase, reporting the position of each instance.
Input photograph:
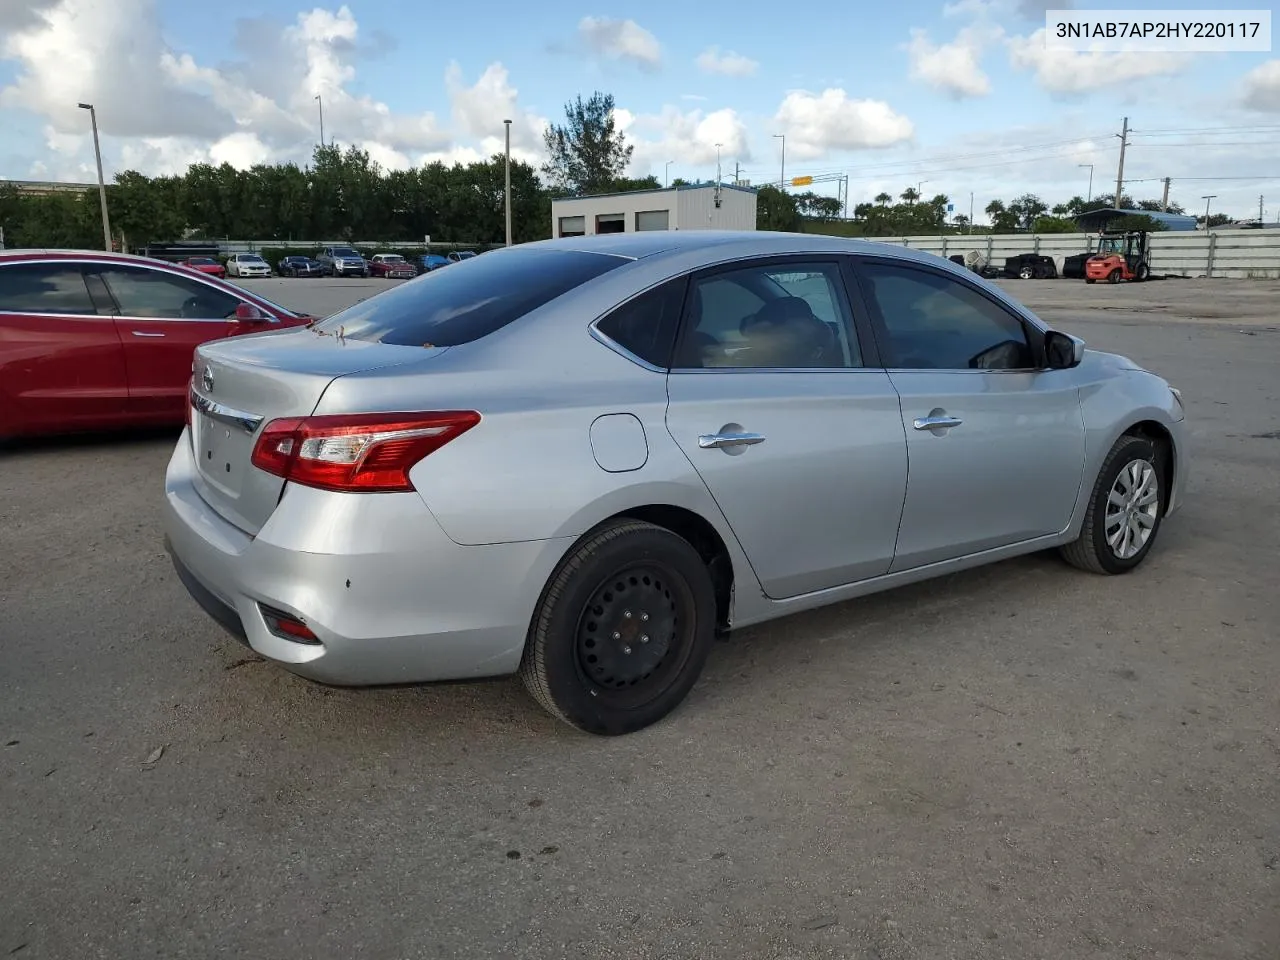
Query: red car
(392, 266)
(204, 265)
(99, 340)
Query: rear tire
(1113, 276)
(622, 630)
(1124, 512)
(1090, 280)
(1142, 273)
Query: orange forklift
(1120, 256)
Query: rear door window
(44, 288)
(445, 308)
(646, 325)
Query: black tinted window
(779, 316)
(43, 288)
(935, 322)
(447, 307)
(155, 294)
(646, 325)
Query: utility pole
(507, 123)
(736, 172)
(1259, 209)
(321, 103)
(970, 230)
(1090, 191)
(102, 187)
(1124, 142)
(782, 170)
(666, 173)
(1164, 202)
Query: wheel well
(703, 538)
(1159, 436)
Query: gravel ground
(1019, 762)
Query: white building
(690, 207)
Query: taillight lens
(359, 453)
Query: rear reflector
(286, 626)
(358, 453)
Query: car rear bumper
(389, 597)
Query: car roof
(29, 253)
(761, 242)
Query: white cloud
(818, 123)
(728, 64)
(1074, 71)
(952, 67)
(621, 40)
(160, 109)
(688, 138)
(1262, 87)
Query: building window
(573, 226)
(611, 223)
(653, 220)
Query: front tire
(622, 630)
(1113, 276)
(1124, 512)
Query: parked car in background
(97, 340)
(392, 266)
(342, 262)
(457, 256)
(204, 265)
(247, 265)
(579, 459)
(299, 267)
(430, 261)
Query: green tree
(776, 210)
(884, 199)
(588, 153)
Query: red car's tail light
(359, 453)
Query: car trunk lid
(239, 385)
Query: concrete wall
(1233, 254)
(688, 209)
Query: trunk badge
(206, 380)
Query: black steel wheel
(622, 630)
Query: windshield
(445, 308)
(345, 252)
(251, 258)
(200, 260)
(392, 258)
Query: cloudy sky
(961, 95)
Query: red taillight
(358, 453)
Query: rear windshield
(470, 300)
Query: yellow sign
(801, 181)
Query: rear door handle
(144, 333)
(718, 441)
(932, 423)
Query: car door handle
(144, 333)
(718, 441)
(932, 423)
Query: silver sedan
(582, 459)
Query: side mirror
(1062, 350)
(249, 313)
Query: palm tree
(911, 195)
(883, 198)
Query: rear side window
(44, 288)
(646, 325)
(470, 299)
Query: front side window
(933, 322)
(780, 316)
(445, 308)
(158, 295)
(44, 288)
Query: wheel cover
(635, 632)
(1133, 507)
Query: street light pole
(102, 187)
(782, 170)
(1206, 208)
(321, 103)
(1090, 166)
(666, 174)
(508, 126)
